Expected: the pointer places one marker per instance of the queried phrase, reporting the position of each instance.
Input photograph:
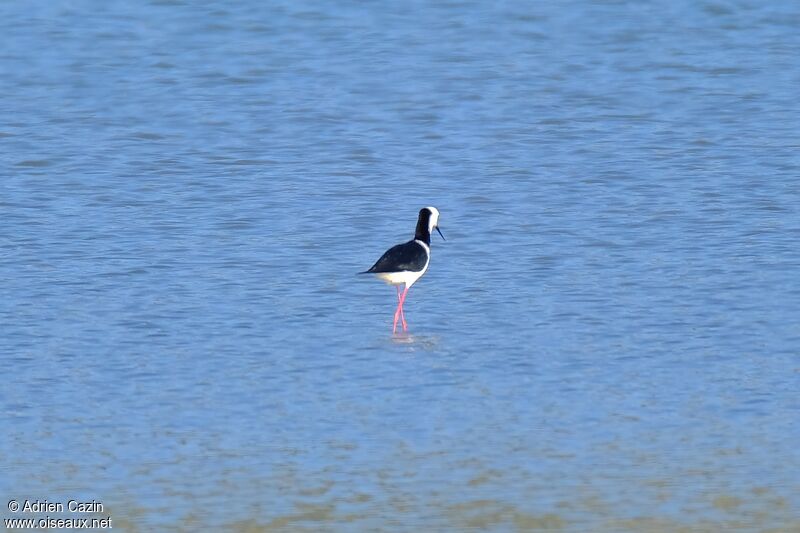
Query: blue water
(608, 340)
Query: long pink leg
(398, 312)
(402, 301)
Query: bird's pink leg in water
(402, 301)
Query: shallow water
(607, 341)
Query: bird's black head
(427, 222)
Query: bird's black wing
(409, 256)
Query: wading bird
(405, 263)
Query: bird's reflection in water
(421, 341)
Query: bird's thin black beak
(440, 233)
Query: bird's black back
(409, 256)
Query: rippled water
(607, 341)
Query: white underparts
(405, 277)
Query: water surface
(607, 341)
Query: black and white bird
(405, 263)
